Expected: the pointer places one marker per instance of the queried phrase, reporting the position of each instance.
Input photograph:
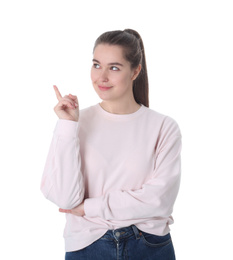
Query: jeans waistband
(122, 233)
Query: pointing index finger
(58, 94)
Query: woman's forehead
(109, 53)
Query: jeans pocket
(154, 240)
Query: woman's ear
(136, 72)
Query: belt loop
(136, 232)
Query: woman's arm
(62, 181)
(155, 198)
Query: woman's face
(111, 74)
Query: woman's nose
(104, 76)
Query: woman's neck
(120, 108)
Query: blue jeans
(127, 244)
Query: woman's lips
(104, 88)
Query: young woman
(114, 168)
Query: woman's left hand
(78, 211)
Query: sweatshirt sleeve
(62, 180)
(157, 196)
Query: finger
(72, 101)
(58, 94)
(64, 210)
(74, 98)
(66, 103)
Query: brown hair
(134, 52)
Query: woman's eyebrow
(112, 63)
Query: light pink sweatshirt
(125, 167)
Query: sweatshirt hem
(74, 243)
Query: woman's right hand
(67, 107)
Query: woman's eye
(96, 66)
(114, 68)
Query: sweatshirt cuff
(92, 207)
(66, 128)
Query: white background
(189, 48)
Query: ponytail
(141, 84)
(134, 52)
